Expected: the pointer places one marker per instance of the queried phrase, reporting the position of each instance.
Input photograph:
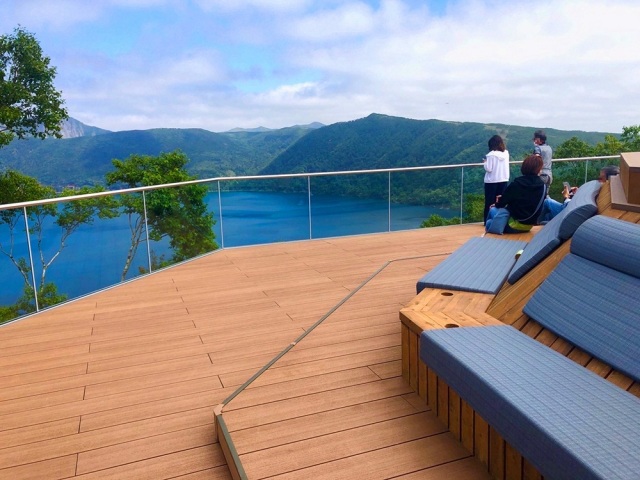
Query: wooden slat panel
(413, 362)
(496, 454)
(467, 419)
(481, 439)
(513, 463)
(405, 353)
(455, 414)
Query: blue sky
(221, 64)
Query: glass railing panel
(473, 194)
(424, 196)
(180, 223)
(255, 212)
(98, 252)
(349, 204)
(96, 241)
(16, 281)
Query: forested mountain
(380, 141)
(377, 141)
(85, 160)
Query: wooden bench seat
(436, 308)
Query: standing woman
(496, 177)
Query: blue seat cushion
(542, 244)
(582, 207)
(595, 308)
(480, 265)
(564, 419)
(560, 228)
(610, 242)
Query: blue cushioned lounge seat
(479, 265)
(564, 419)
(592, 298)
(560, 228)
(483, 264)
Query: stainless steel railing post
(33, 269)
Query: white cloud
(553, 63)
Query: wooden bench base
(473, 432)
(434, 308)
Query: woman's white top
(496, 166)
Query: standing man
(541, 148)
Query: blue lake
(94, 255)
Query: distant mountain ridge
(375, 142)
(312, 125)
(72, 128)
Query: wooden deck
(123, 384)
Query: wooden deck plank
(468, 468)
(297, 429)
(137, 450)
(56, 468)
(102, 405)
(40, 432)
(278, 373)
(267, 394)
(84, 441)
(315, 403)
(407, 458)
(312, 452)
(165, 466)
(152, 356)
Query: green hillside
(380, 141)
(85, 160)
(377, 141)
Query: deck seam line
(320, 321)
(304, 334)
(219, 417)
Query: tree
(631, 138)
(68, 217)
(178, 213)
(573, 148)
(610, 146)
(29, 103)
(473, 209)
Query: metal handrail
(220, 180)
(106, 193)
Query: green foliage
(180, 214)
(631, 138)
(573, 148)
(473, 208)
(436, 220)
(473, 212)
(610, 146)
(8, 312)
(48, 296)
(68, 217)
(29, 103)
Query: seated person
(518, 209)
(551, 207)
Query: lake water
(94, 256)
